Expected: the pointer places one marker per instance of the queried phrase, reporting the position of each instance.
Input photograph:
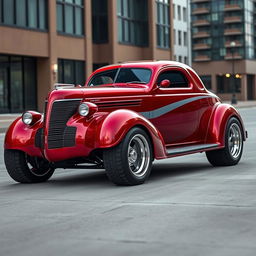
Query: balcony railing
(236, 56)
(232, 7)
(198, 23)
(200, 1)
(228, 44)
(201, 10)
(233, 19)
(202, 58)
(201, 46)
(232, 31)
(201, 34)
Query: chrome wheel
(38, 166)
(235, 140)
(138, 155)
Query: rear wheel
(232, 152)
(130, 162)
(26, 169)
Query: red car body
(179, 121)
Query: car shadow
(159, 171)
(99, 179)
(163, 170)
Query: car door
(176, 108)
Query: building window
(133, 22)
(179, 38)
(17, 83)
(71, 71)
(173, 6)
(207, 81)
(98, 65)
(179, 12)
(163, 23)
(186, 60)
(180, 58)
(225, 84)
(70, 17)
(185, 39)
(100, 21)
(24, 13)
(184, 14)
(174, 36)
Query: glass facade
(215, 24)
(99, 65)
(207, 81)
(70, 17)
(133, 22)
(17, 84)
(31, 14)
(225, 84)
(100, 21)
(163, 23)
(71, 71)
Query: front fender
(219, 119)
(115, 126)
(22, 137)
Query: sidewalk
(244, 104)
(7, 119)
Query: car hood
(94, 92)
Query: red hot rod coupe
(124, 117)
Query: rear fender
(219, 119)
(115, 126)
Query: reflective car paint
(172, 117)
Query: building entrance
(250, 87)
(17, 84)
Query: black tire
(124, 164)
(25, 169)
(228, 155)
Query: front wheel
(232, 152)
(26, 169)
(130, 162)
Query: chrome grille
(59, 134)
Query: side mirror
(165, 83)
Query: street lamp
(233, 99)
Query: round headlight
(83, 109)
(27, 118)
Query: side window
(177, 79)
(106, 77)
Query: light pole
(233, 99)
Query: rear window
(177, 79)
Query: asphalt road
(186, 208)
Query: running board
(187, 149)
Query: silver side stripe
(163, 110)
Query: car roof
(145, 64)
(153, 65)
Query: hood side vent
(118, 104)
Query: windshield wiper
(136, 82)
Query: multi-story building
(223, 43)
(181, 31)
(47, 41)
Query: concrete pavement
(187, 208)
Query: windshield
(121, 75)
